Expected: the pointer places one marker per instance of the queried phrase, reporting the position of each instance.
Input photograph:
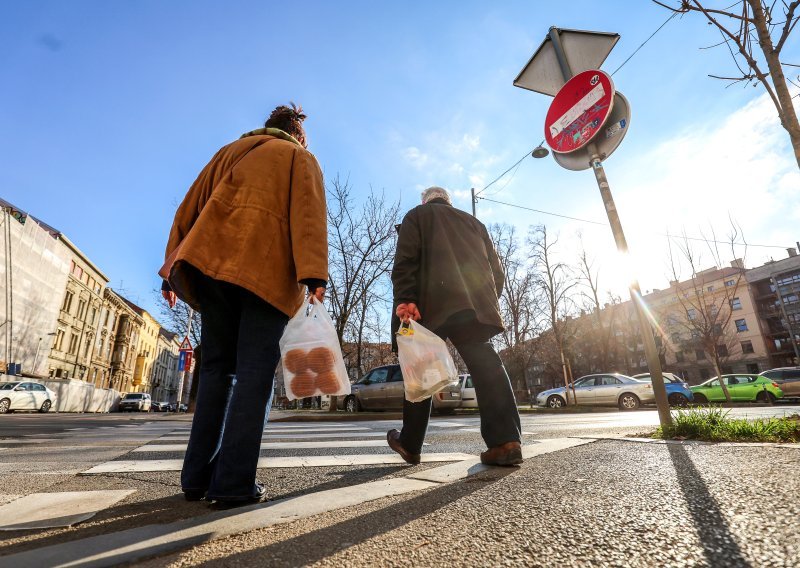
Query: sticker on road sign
(614, 129)
(578, 111)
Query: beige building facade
(146, 350)
(74, 343)
(165, 369)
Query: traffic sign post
(185, 355)
(570, 127)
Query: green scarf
(276, 132)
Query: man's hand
(408, 311)
(318, 293)
(170, 297)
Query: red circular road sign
(578, 111)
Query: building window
(676, 338)
(704, 375)
(691, 313)
(81, 309)
(747, 347)
(730, 283)
(86, 347)
(73, 344)
(67, 305)
(102, 343)
(722, 350)
(700, 354)
(93, 316)
(752, 368)
(741, 325)
(59, 341)
(679, 357)
(716, 330)
(710, 289)
(736, 304)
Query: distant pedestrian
(448, 276)
(250, 234)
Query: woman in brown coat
(250, 235)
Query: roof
(23, 216)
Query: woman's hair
(290, 120)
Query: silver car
(382, 389)
(604, 389)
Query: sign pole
(185, 374)
(474, 199)
(653, 362)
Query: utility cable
(606, 224)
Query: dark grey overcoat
(446, 264)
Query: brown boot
(393, 437)
(509, 453)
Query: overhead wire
(702, 239)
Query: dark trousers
(498, 407)
(240, 337)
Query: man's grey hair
(436, 192)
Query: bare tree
(362, 244)
(755, 34)
(600, 337)
(519, 305)
(707, 307)
(554, 280)
(177, 319)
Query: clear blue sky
(110, 109)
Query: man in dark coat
(447, 276)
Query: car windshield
(133, 395)
(8, 386)
(649, 379)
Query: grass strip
(714, 425)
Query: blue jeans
(500, 421)
(240, 337)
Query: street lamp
(39, 346)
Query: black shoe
(194, 494)
(259, 492)
(393, 438)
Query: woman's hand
(318, 293)
(170, 297)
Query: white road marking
(296, 436)
(133, 544)
(47, 510)
(127, 466)
(463, 469)
(277, 445)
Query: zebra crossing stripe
(136, 466)
(277, 445)
(48, 510)
(295, 436)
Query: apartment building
(165, 369)
(775, 290)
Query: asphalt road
(556, 503)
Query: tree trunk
(718, 368)
(786, 110)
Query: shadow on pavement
(313, 546)
(719, 544)
(169, 509)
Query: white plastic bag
(311, 356)
(425, 361)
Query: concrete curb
(691, 442)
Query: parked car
(25, 395)
(468, 398)
(605, 389)
(678, 392)
(382, 389)
(160, 407)
(742, 387)
(139, 401)
(788, 379)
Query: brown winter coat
(255, 217)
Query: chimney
(792, 251)
(737, 263)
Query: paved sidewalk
(610, 503)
